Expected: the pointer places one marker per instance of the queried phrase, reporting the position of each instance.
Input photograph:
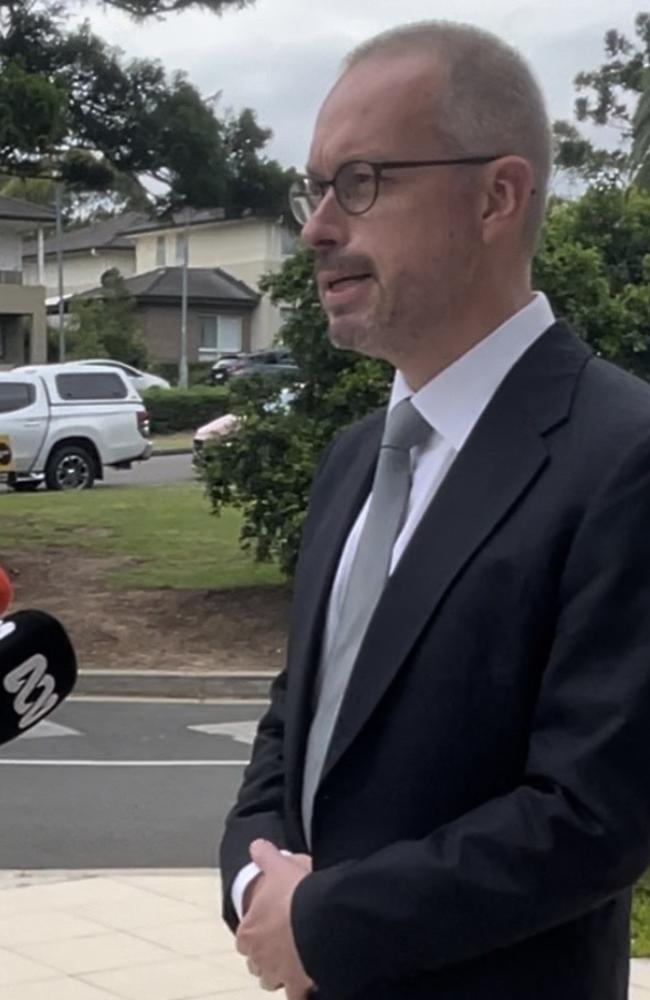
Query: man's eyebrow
(316, 174)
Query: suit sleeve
(259, 809)
(573, 833)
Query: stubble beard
(393, 331)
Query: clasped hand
(265, 935)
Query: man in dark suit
(456, 760)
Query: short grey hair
(491, 101)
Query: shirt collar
(453, 400)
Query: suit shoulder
(369, 425)
(348, 440)
(613, 398)
(345, 446)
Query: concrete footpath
(110, 935)
(129, 935)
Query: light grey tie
(405, 428)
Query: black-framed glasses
(356, 184)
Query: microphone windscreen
(38, 669)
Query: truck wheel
(70, 467)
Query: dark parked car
(222, 368)
(272, 361)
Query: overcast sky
(280, 56)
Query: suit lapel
(499, 463)
(314, 581)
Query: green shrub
(184, 409)
(267, 469)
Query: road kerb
(237, 685)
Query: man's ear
(508, 189)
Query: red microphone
(6, 591)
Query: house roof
(18, 210)
(183, 217)
(189, 217)
(203, 284)
(108, 234)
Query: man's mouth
(348, 280)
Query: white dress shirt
(451, 403)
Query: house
(244, 248)
(87, 253)
(220, 311)
(23, 330)
(221, 317)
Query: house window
(220, 333)
(161, 254)
(181, 248)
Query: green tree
(255, 183)
(267, 469)
(107, 327)
(594, 262)
(615, 94)
(72, 109)
(141, 9)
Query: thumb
(265, 854)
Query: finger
(241, 943)
(270, 983)
(295, 992)
(265, 855)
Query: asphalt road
(161, 470)
(122, 785)
(158, 471)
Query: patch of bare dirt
(184, 630)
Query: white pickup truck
(61, 425)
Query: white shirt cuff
(244, 878)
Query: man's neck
(459, 337)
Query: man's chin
(347, 336)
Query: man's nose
(327, 226)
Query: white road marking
(241, 732)
(47, 729)
(17, 762)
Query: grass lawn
(169, 442)
(641, 919)
(167, 531)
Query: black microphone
(38, 669)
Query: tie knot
(405, 427)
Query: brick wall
(161, 326)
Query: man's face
(412, 257)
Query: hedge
(184, 409)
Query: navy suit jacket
(485, 802)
